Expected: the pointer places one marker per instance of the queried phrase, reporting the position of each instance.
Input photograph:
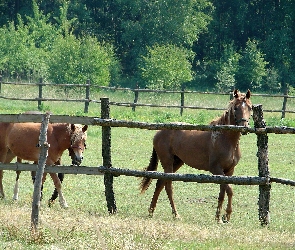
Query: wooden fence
(263, 180)
(40, 98)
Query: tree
(252, 67)
(75, 60)
(166, 67)
(229, 65)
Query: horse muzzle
(77, 160)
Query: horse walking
(33, 173)
(20, 140)
(214, 151)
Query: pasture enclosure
(39, 95)
(263, 180)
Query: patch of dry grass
(70, 229)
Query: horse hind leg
(177, 163)
(159, 187)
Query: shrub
(166, 67)
(75, 60)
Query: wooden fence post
(262, 154)
(106, 155)
(1, 81)
(285, 101)
(136, 93)
(40, 94)
(87, 96)
(43, 144)
(181, 100)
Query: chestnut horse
(214, 151)
(21, 140)
(33, 173)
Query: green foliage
(252, 68)
(38, 49)
(226, 76)
(166, 67)
(40, 31)
(131, 27)
(75, 60)
(134, 25)
(65, 25)
(19, 56)
(272, 81)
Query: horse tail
(146, 181)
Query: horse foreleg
(16, 186)
(229, 192)
(220, 202)
(1, 185)
(57, 185)
(159, 187)
(55, 193)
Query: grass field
(86, 224)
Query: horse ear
(248, 94)
(236, 93)
(85, 128)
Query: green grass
(86, 224)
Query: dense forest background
(168, 44)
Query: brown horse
(214, 151)
(33, 173)
(21, 140)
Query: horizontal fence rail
(141, 125)
(199, 178)
(87, 100)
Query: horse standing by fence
(33, 173)
(214, 151)
(21, 140)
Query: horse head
(241, 109)
(78, 143)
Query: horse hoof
(50, 203)
(225, 219)
(219, 221)
(151, 212)
(176, 217)
(64, 206)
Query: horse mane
(224, 119)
